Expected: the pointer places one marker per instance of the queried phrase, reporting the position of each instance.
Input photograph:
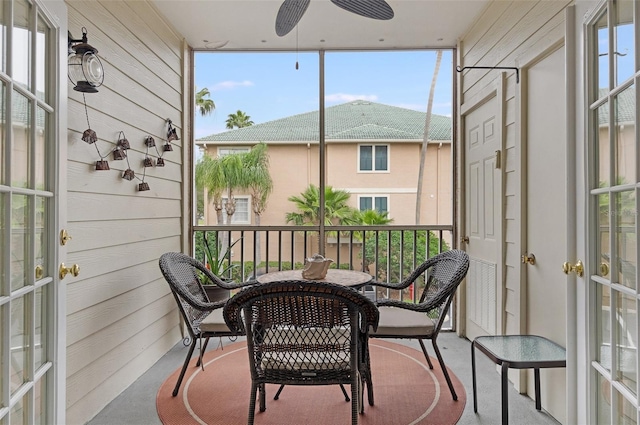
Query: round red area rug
(406, 392)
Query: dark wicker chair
(304, 333)
(202, 318)
(423, 320)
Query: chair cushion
(214, 322)
(399, 322)
(337, 336)
(315, 349)
(310, 362)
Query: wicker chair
(202, 318)
(423, 320)
(304, 333)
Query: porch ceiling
(250, 25)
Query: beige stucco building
(372, 152)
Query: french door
(613, 196)
(31, 71)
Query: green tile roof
(357, 120)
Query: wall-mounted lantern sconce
(85, 69)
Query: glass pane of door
(20, 139)
(21, 35)
(624, 137)
(19, 241)
(19, 340)
(602, 155)
(624, 48)
(626, 335)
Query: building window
(224, 151)
(373, 158)
(241, 216)
(378, 203)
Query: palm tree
(258, 181)
(204, 105)
(425, 139)
(218, 175)
(245, 170)
(308, 204)
(257, 178)
(239, 120)
(374, 217)
(210, 176)
(238, 171)
(337, 211)
(233, 171)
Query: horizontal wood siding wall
(507, 33)
(121, 317)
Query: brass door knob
(74, 270)
(528, 259)
(578, 268)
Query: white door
(32, 71)
(612, 210)
(546, 289)
(483, 185)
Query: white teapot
(316, 267)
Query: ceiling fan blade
(374, 9)
(289, 15)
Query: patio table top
(352, 278)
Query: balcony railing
(388, 252)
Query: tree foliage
(204, 105)
(244, 171)
(238, 120)
(337, 210)
(400, 251)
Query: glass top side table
(517, 352)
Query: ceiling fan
(291, 11)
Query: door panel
(483, 185)
(546, 292)
(29, 211)
(612, 193)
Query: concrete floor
(136, 405)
